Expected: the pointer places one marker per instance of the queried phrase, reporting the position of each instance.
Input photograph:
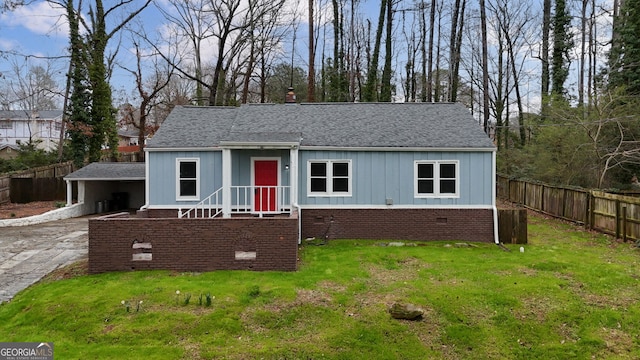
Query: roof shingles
(366, 125)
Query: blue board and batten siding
(241, 165)
(377, 176)
(162, 172)
(162, 175)
(382, 175)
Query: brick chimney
(290, 98)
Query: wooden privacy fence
(43, 183)
(5, 194)
(617, 215)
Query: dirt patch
(14, 211)
(76, 269)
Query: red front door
(265, 181)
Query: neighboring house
(127, 137)
(21, 125)
(8, 151)
(271, 175)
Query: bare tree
(230, 28)
(370, 89)
(30, 87)
(192, 22)
(455, 43)
(148, 92)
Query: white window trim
(436, 179)
(187, 198)
(329, 192)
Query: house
(254, 180)
(8, 151)
(127, 137)
(18, 126)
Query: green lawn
(570, 295)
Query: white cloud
(41, 18)
(8, 44)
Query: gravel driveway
(28, 253)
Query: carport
(104, 187)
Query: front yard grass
(569, 295)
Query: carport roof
(109, 172)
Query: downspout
(496, 238)
(146, 180)
(294, 179)
(299, 210)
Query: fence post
(624, 223)
(592, 213)
(564, 201)
(587, 206)
(617, 205)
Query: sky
(33, 33)
(37, 34)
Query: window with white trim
(6, 124)
(187, 179)
(436, 179)
(329, 177)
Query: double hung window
(436, 179)
(329, 177)
(188, 179)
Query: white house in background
(18, 126)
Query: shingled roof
(30, 115)
(344, 125)
(109, 172)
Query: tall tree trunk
(561, 47)
(593, 56)
(485, 66)
(385, 88)
(370, 88)
(583, 45)
(453, 57)
(516, 84)
(456, 64)
(311, 80)
(251, 61)
(423, 51)
(544, 57)
(432, 22)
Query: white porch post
(81, 192)
(226, 183)
(69, 193)
(293, 174)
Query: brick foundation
(399, 224)
(192, 244)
